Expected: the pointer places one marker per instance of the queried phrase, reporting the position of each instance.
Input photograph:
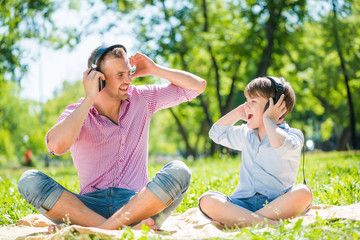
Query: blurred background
(313, 44)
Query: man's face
(254, 109)
(117, 77)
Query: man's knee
(36, 187)
(171, 181)
(180, 173)
(29, 183)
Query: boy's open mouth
(249, 116)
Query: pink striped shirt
(109, 155)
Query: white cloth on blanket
(189, 225)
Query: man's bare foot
(149, 222)
(54, 228)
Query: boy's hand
(241, 112)
(144, 65)
(275, 112)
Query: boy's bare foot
(217, 224)
(149, 222)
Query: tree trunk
(189, 150)
(346, 77)
(342, 143)
(275, 11)
(184, 134)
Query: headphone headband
(102, 51)
(278, 86)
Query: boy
(271, 153)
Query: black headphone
(279, 90)
(100, 53)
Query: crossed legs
(289, 205)
(165, 191)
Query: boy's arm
(232, 117)
(145, 66)
(271, 118)
(224, 133)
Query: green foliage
(230, 42)
(226, 42)
(18, 22)
(20, 121)
(25, 126)
(28, 19)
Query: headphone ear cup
(101, 84)
(266, 106)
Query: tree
(28, 19)
(345, 72)
(19, 124)
(226, 42)
(315, 63)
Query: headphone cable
(303, 153)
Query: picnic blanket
(189, 225)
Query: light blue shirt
(264, 169)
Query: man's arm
(145, 66)
(271, 118)
(64, 133)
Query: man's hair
(118, 52)
(262, 87)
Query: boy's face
(254, 109)
(117, 77)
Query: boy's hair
(262, 87)
(118, 52)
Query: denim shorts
(169, 186)
(252, 203)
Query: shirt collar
(283, 125)
(93, 109)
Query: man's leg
(229, 214)
(51, 199)
(169, 185)
(289, 205)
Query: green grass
(333, 178)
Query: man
(107, 134)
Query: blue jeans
(169, 186)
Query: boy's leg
(164, 191)
(289, 205)
(221, 210)
(51, 199)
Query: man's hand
(91, 82)
(275, 112)
(144, 65)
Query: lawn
(333, 178)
